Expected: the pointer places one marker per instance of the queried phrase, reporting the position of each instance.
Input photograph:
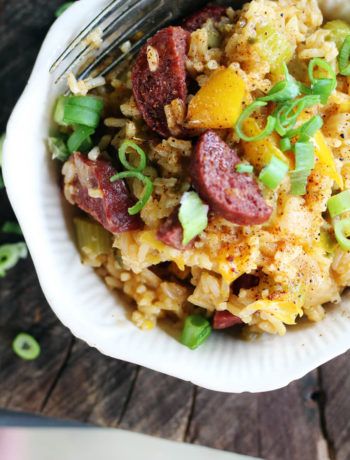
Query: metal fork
(120, 21)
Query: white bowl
(81, 300)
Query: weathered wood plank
(278, 425)
(335, 378)
(159, 405)
(24, 385)
(91, 388)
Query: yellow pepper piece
(259, 153)
(326, 164)
(218, 104)
(284, 311)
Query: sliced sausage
(225, 319)
(232, 195)
(160, 78)
(196, 20)
(170, 232)
(87, 184)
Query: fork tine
(107, 31)
(121, 39)
(85, 32)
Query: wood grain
(308, 420)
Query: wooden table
(308, 420)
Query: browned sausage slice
(156, 85)
(196, 20)
(232, 195)
(87, 184)
(225, 319)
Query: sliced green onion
(77, 139)
(193, 216)
(26, 347)
(58, 148)
(147, 192)
(285, 144)
(196, 331)
(11, 227)
(10, 255)
(344, 58)
(307, 129)
(273, 174)
(342, 232)
(89, 102)
(322, 86)
(76, 115)
(270, 125)
(304, 156)
(63, 8)
(338, 204)
(287, 114)
(284, 90)
(299, 181)
(59, 111)
(244, 168)
(122, 156)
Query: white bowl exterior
(81, 300)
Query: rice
(297, 276)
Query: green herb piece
(196, 331)
(58, 148)
(284, 90)
(274, 173)
(270, 125)
(193, 216)
(122, 156)
(147, 192)
(26, 347)
(322, 86)
(338, 204)
(10, 254)
(344, 58)
(80, 139)
(342, 233)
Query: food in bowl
(212, 175)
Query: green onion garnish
(11, 227)
(147, 192)
(338, 204)
(304, 156)
(270, 125)
(122, 156)
(26, 347)
(307, 129)
(287, 114)
(273, 174)
(322, 86)
(195, 332)
(58, 148)
(78, 110)
(244, 168)
(342, 232)
(304, 163)
(344, 58)
(285, 144)
(284, 90)
(80, 139)
(193, 216)
(299, 182)
(10, 255)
